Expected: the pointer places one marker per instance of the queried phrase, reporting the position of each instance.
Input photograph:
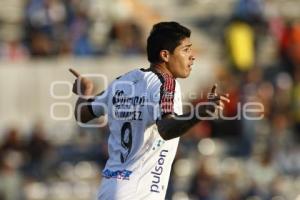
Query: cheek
(179, 65)
(183, 62)
(180, 60)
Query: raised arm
(84, 88)
(171, 126)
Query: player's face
(181, 60)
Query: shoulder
(128, 75)
(156, 77)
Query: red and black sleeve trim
(167, 93)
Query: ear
(164, 55)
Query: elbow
(165, 137)
(79, 117)
(164, 134)
(82, 120)
(164, 130)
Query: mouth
(190, 66)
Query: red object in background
(294, 48)
(230, 108)
(290, 42)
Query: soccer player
(145, 116)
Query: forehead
(185, 42)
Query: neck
(161, 67)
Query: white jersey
(140, 160)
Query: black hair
(165, 36)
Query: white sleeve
(153, 104)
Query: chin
(188, 73)
(184, 75)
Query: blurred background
(251, 48)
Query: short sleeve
(162, 97)
(167, 94)
(98, 105)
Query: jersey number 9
(126, 140)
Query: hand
(216, 101)
(85, 85)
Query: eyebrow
(187, 45)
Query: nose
(192, 57)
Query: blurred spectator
(12, 141)
(127, 37)
(250, 11)
(10, 176)
(79, 27)
(39, 152)
(240, 41)
(44, 25)
(12, 158)
(204, 184)
(13, 51)
(262, 171)
(289, 48)
(244, 33)
(295, 100)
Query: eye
(187, 49)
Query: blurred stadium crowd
(239, 159)
(47, 28)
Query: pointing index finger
(74, 72)
(213, 89)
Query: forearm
(174, 126)
(82, 113)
